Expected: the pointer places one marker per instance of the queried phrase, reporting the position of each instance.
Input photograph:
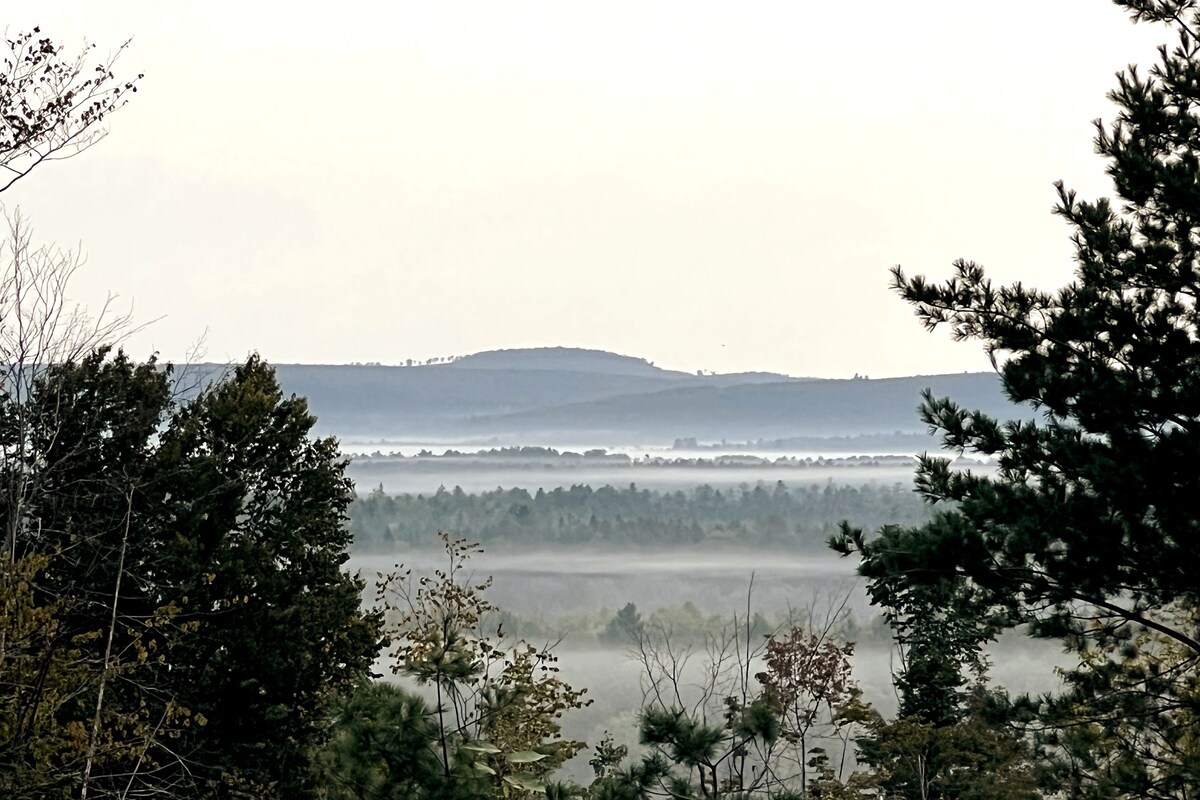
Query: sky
(715, 186)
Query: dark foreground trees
(180, 622)
(1089, 529)
(174, 620)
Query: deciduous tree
(53, 101)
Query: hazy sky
(707, 185)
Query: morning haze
(375, 182)
(590, 452)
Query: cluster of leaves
(805, 673)
(152, 547)
(498, 703)
(1128, 721)
(52, 103)
(776, 516)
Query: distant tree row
(758, 516)
(409, 362)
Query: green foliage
(380, 747)
(498, 704)
(972, 758)
(37, 681)
(625, 628)
(175, 620)
(262, 538)
(1087, 531)
(758, 516)
(1129, 719)
(940, 625)
(171, 541)
(686, 740)
(386, 744)
(73, 453)
(607, 756)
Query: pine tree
(1088, 530)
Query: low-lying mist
(566, 597)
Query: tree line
(748, 516)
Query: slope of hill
(565, 359)
(600, 362)
(569, 394)
(752, 411)
(437, 400)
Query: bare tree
(43, 670)
(740, 708)
(39, 327)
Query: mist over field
(694, 521)
(567, 595)
(426, 478)
(554, 584)
(722, 511)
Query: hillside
(752, 411)
(549, 394)
(565, 359)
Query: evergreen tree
(1088, 529)
(189, 556)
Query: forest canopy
(777, 516)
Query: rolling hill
(520, 396)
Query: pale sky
(717, 186)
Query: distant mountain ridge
(571, 394)
(600, 362)
(762, 410)
(564, 359)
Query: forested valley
(197, 600)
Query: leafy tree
(151, 546)
(174, 540)
(65, 651)
(626, 627)
(259, 539)
(498, 702)
(53, 103)
(58, 730)
(807, 677)
(975, 757)
(1127, 723)
(1087, 531)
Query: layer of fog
(715, 581)
(367, 445)
(549, 586)
(411, 479)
